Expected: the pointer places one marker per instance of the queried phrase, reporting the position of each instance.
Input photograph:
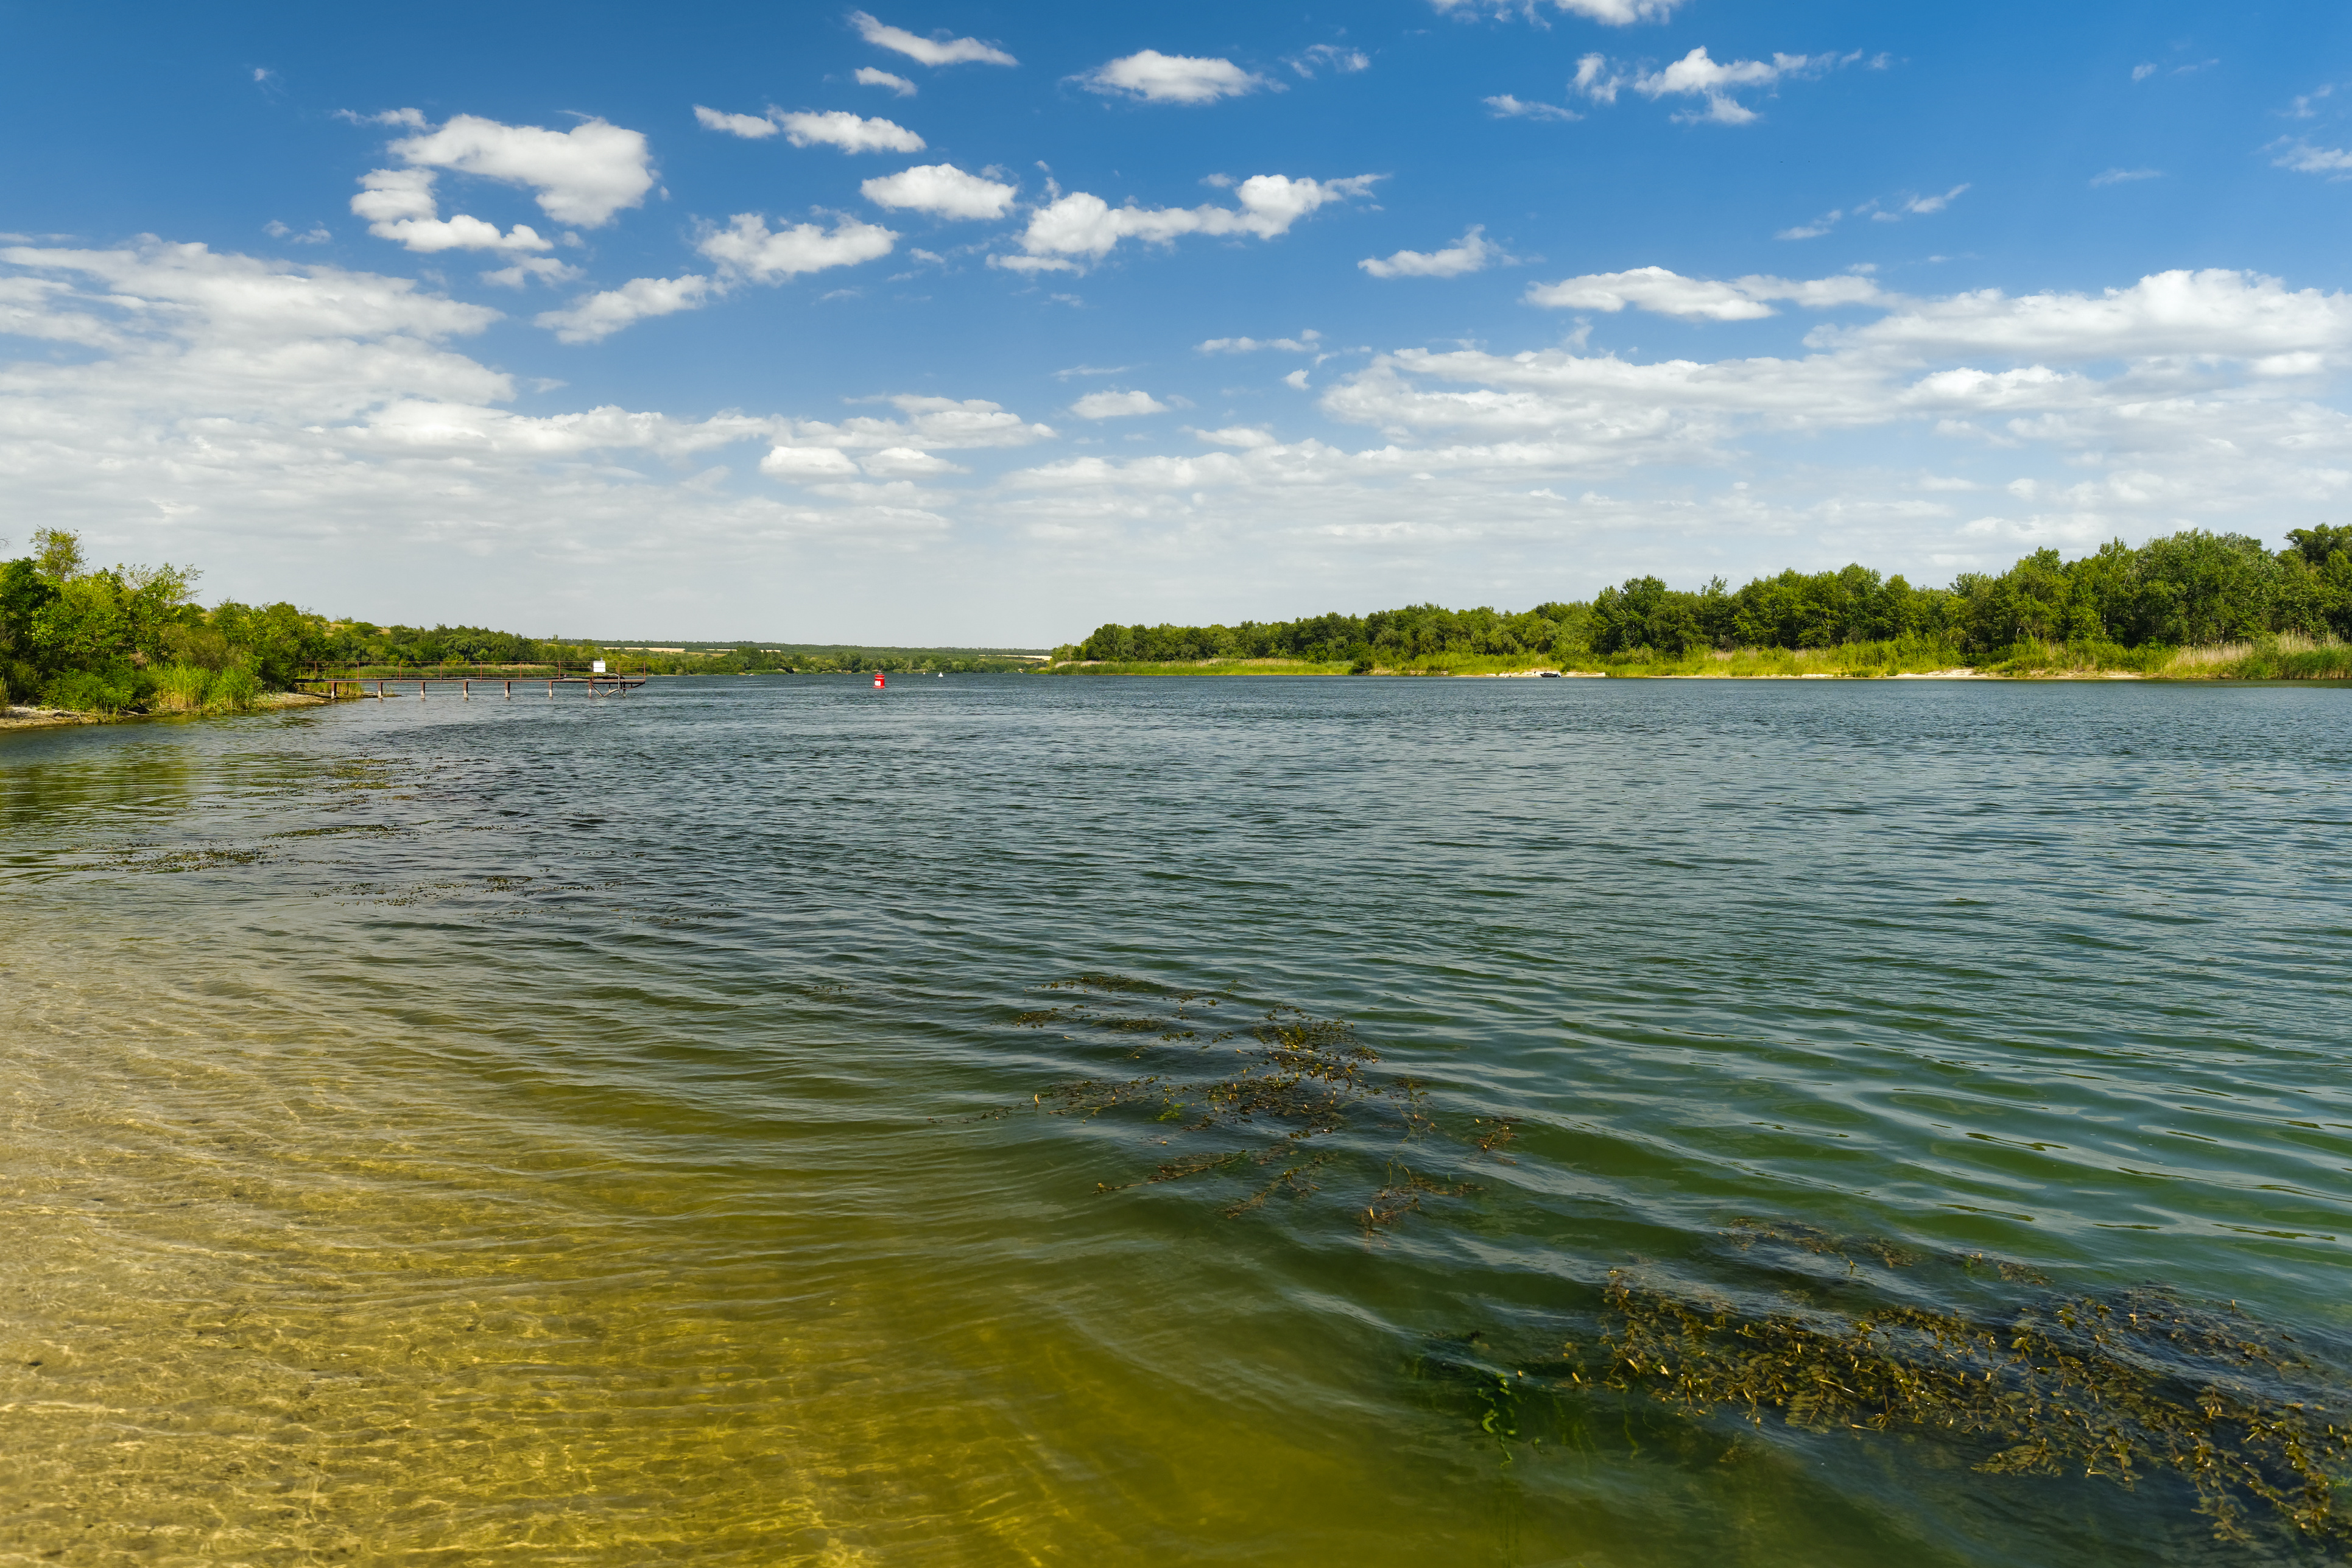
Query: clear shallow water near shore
(505, 1132)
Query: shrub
(91, 691)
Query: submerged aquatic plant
(1263, 1088)
(1818, 1332)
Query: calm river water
(652, 1130)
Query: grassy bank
(2289, 657)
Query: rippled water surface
(720, 1125)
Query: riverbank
(21, 717)
(2283, 658)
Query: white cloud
(940, 189)
(1470, 253)
(1502, 106)
(399, 205)
(1295, 380)
(904, 462)
(1699, 75)
(1596, 79)
(545, 268)
(1033, 264)
(582, 177)
(1150, 76)
(1329, 56)
(596, 317)
(929, 424)
(1117, 404)
(751, 126)
(1613, 13)
(1246, 437)
(2304, 159)
(929, 51)
(868, 77)
(2144, 70)
(1084, 224)
(1816, 229)
(805, 462)
(1919, 206)
(316, 233)
(1306, 342)
(745, 247)
(2125, 176)
(412, 118)
(2218, 313)
(1653, 288)
(850, 132)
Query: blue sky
(987, 324)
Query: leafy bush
(91, 691)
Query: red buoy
(877, 680)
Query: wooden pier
(347, 685)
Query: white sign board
(596, 668)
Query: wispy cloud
(2125, 176)
(1502, 106)
(1470, 253)
(928, 51)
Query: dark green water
(605, 1132)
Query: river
(720, 1124)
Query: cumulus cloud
(596, 317)
(746, 248)
(929, 51)
(1502, 106)
(1108, 405)
(850, 132)
(751, 126)
(1613, 13)
(399, 205)
(1667, 293)
(1083, 225)
(940, 189)
(1151, 76)
(1306, 342)
(1329, 56)
(1470, 253)
(868, 77)
(1699, 75)
(805, 462)
(582, 177)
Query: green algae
(1814, 1333)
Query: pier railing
(381, 680)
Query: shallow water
(605, 1132)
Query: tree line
(2192, 589)
(133, 638)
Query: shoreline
(29, 715)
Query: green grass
(2287, 658)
